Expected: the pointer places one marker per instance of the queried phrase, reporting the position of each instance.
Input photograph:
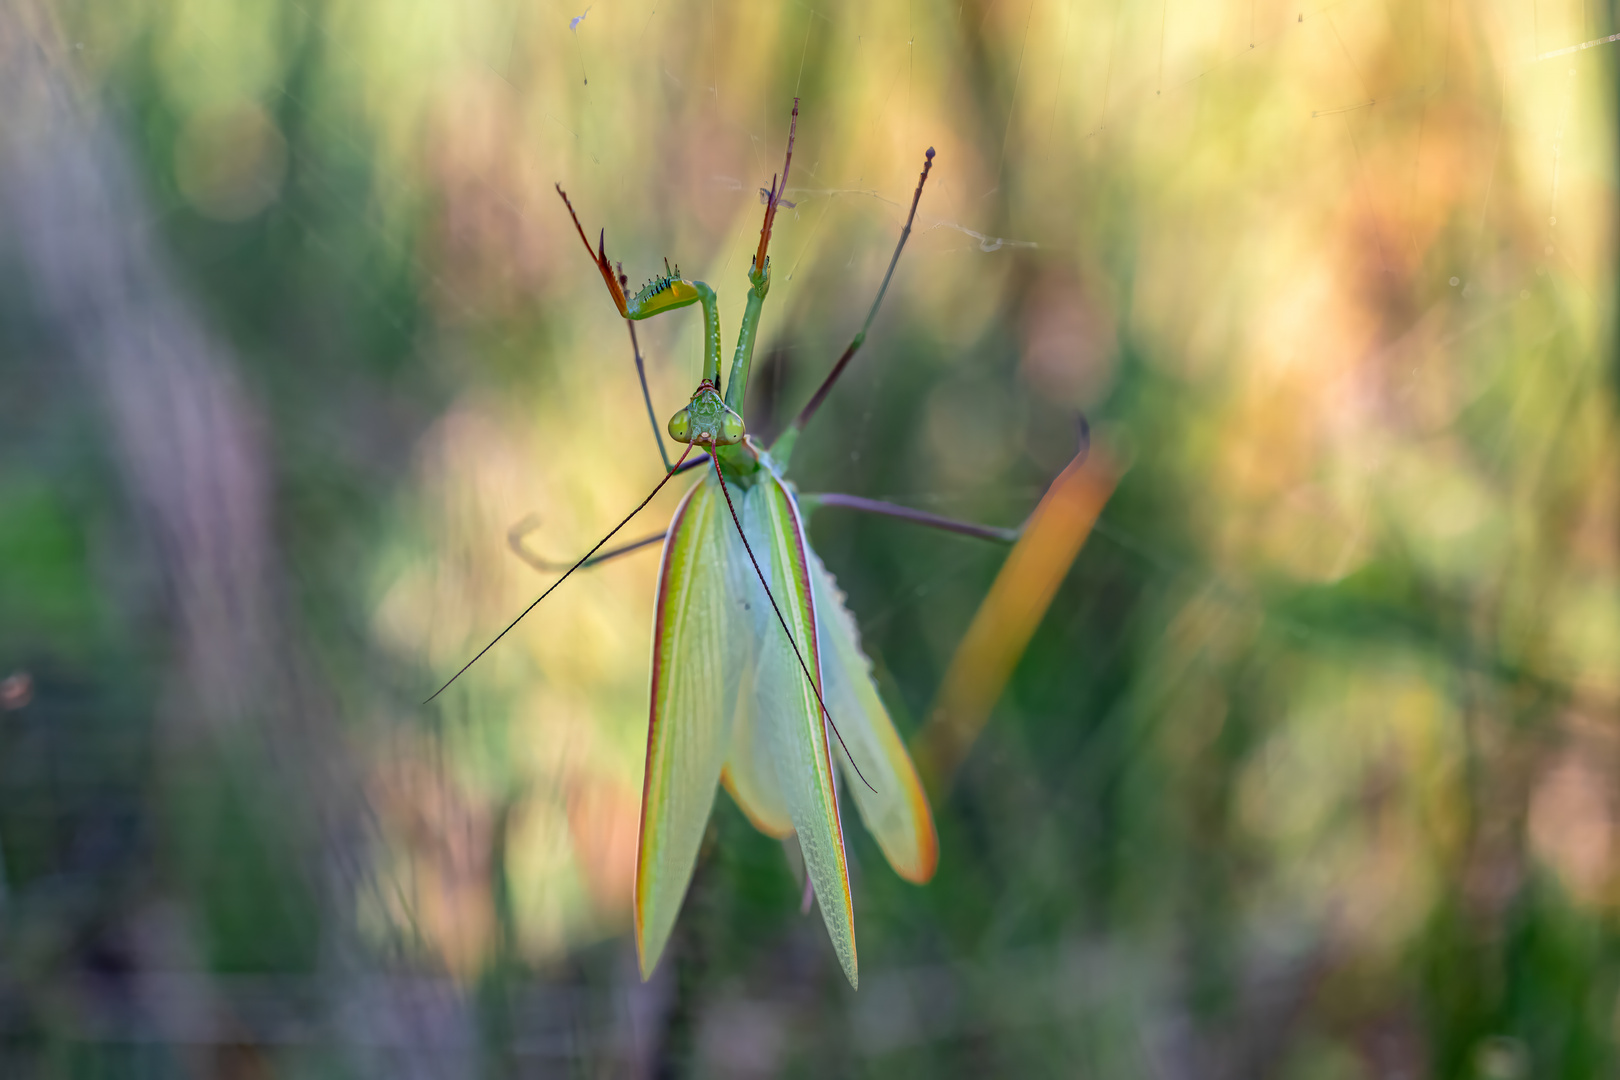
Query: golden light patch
(230, 162)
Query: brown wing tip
(928, 858)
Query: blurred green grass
(1308, 771)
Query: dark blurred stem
(501, 975)
(646, 396)
(675, 1055)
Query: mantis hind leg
(861, 504)
(784, 443)
(518, 533)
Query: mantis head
(707, 420)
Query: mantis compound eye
(732, 429)
(680, 426)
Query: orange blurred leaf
(1013, 608)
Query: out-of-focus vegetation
(1310, 770)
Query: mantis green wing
(694, 687)
(750, 772)
(894, 808)
(787, 712)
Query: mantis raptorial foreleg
(668, 292)
(615, 283)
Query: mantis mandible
(755, 657)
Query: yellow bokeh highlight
(1329, 243)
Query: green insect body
(758, 677)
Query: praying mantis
(758, 678)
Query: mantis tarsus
(755, 656)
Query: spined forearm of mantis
(756, 658)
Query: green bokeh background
(1308, 772)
